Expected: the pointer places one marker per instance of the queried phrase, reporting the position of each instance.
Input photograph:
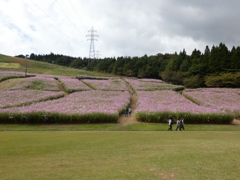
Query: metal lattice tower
(92, 36)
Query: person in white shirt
(170, 125)
(129, 111)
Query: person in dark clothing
(126, 111)
(181, 124)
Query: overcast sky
(125, 27)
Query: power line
(75, 11)
(49, 17)
(67, 15)
(92, 36)
(34, 12)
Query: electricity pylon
(92, 39)
(98, 54)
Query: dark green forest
(215, 67)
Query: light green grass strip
(119, 155)
(114, 127)
(9, 65)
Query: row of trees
(196, 70)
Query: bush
(54, 117)
(161, 117)
(224, 80)
(194, 82)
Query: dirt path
(133, 105)
(61, 87)
(5, 85)
(236, 122)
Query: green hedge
(190, 118)
(54, 117)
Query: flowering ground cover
(4, 75)
(22, 97)
(151, 80)
(37, 83)
(72, 85)
(218, 98)
(108, 85)
(151, 85)
(157, 106)
(11, 73)
(79, 107)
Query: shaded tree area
(215, 67)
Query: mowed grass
(115, 127)
(119, 155)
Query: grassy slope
(46, 68)
(119, 155)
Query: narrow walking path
(236, 122)
(133, 105)
(61, 87)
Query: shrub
(194, 82)
(224, 80)
(161, 117)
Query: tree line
(215, 67)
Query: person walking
(126, 111)
(178, 125)
(181, 124)
(170, 124)
(129, 111)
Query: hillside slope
(8, 63)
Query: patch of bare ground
(166, 176)
(7, 84)
(133, 105)
(236, 122)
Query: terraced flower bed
(22, 97)
(158, 106)
(72, 85)
(4, 75)
(151, 85)
(115, 84)
(218, 98)
(102, 99)
(37, 83)
(79, 107)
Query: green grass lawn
(119, 155)
(115, 127)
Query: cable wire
(67, 16)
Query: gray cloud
(125, 28)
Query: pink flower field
(18, 97)
(72, 85)
(101, 100)
(166, 100)
(157, 106)
(109, 85)
(10, 74)
(37, 83)
(145, 85)
(218, 98)
(85, 102)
